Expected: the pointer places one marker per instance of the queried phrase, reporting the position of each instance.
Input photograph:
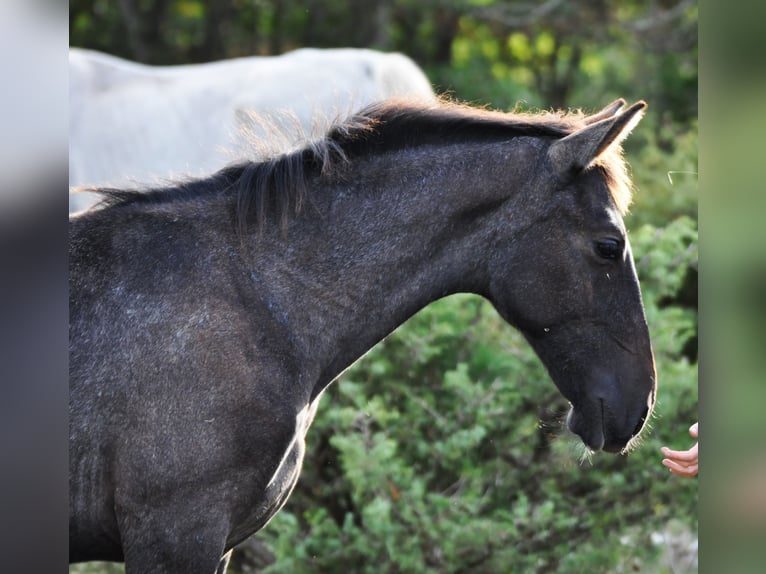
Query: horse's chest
(286, 475)
(273, 496)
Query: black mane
(279, 185)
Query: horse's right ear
(579, 149)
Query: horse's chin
(592, 435)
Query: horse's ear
(579, 149)
(607, 112)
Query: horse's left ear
(608, 112)
(579, 149)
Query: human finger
(683, 455)
(681, 469)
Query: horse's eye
(609, 248)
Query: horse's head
(568, 282)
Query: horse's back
(133, 124)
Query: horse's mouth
(594, 434)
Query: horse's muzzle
(597, 433)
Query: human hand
(683, 462)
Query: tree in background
(550, 49)
(506, 54)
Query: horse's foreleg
(174, 541)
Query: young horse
(207, 319)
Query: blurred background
(443, 450)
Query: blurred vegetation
(444, 449)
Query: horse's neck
(376, 255)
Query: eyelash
(608, 248)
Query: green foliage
(488, 51)
(664, 170)
(444, 450)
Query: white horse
(132, 124)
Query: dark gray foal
(207, 318)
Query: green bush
(444, 450)
(664, 169)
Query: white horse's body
(133, 124)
